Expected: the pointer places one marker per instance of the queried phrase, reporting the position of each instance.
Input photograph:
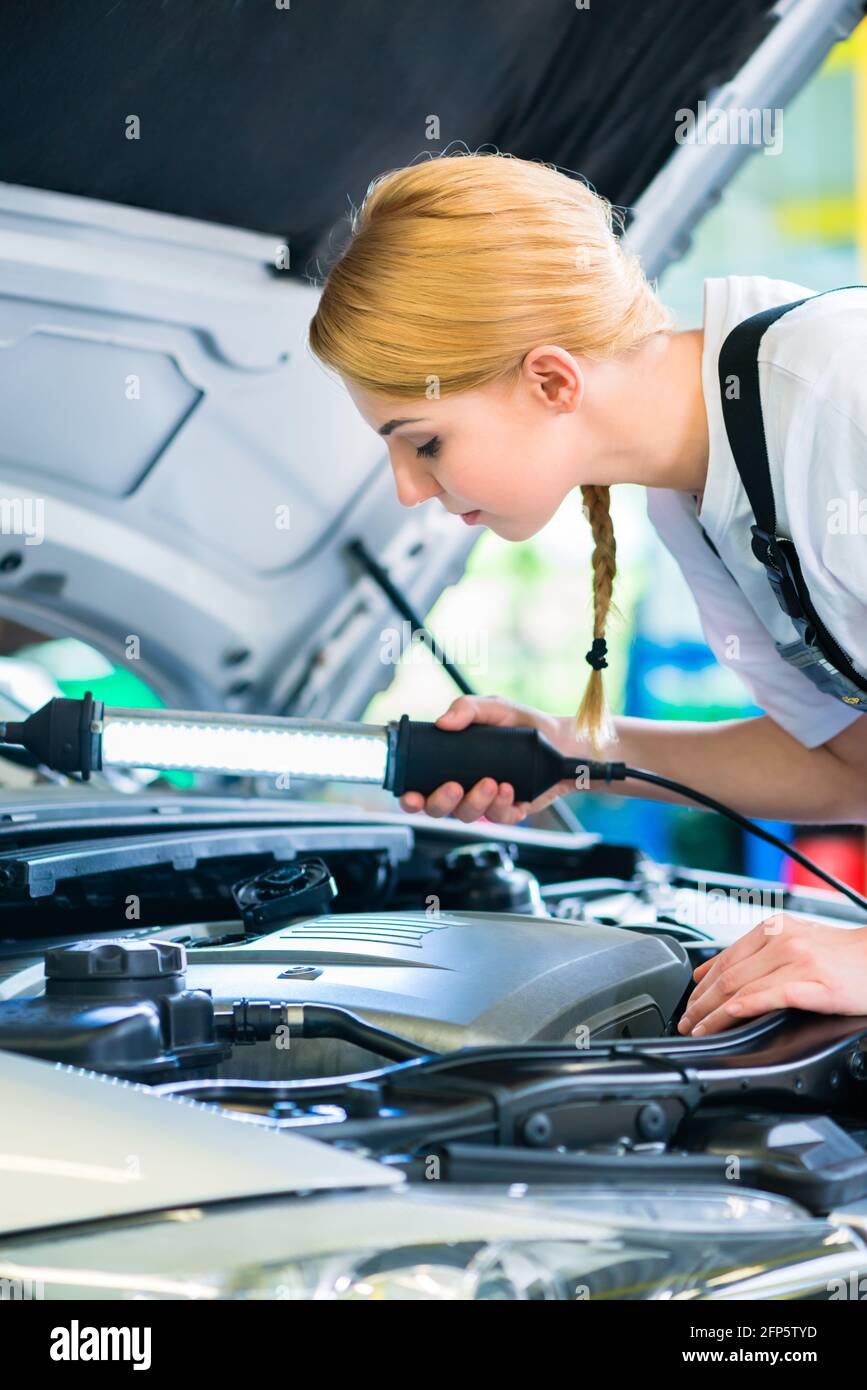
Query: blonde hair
(457, 267)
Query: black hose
(257, 1020)
(329, 1021)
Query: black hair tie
(596, 654)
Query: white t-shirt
(813, 386)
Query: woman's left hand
(783, 963)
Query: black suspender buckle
(781, 568)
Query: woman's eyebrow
(393, 424)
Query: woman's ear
(555, 376)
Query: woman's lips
(471, 518)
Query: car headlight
(436, 1244)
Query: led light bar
(235, 744)
(408, 755)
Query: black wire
(745, 823)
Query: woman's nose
(414, 485)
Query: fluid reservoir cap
(116, 960)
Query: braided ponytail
(593, 720)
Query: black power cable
(640, 775)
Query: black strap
(745, 427)
(742, 411)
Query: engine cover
(460, 979)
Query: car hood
(181, 481)
(77, 1146)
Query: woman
(489, 324)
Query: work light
(407, 755)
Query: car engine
(441, 978)
(506, 1001)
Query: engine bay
(505, 1002)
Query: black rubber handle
(423, 756)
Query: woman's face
(502, 457)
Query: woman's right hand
(488, 798)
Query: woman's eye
(429, 450)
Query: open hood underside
(273, 118)
(200, 476)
